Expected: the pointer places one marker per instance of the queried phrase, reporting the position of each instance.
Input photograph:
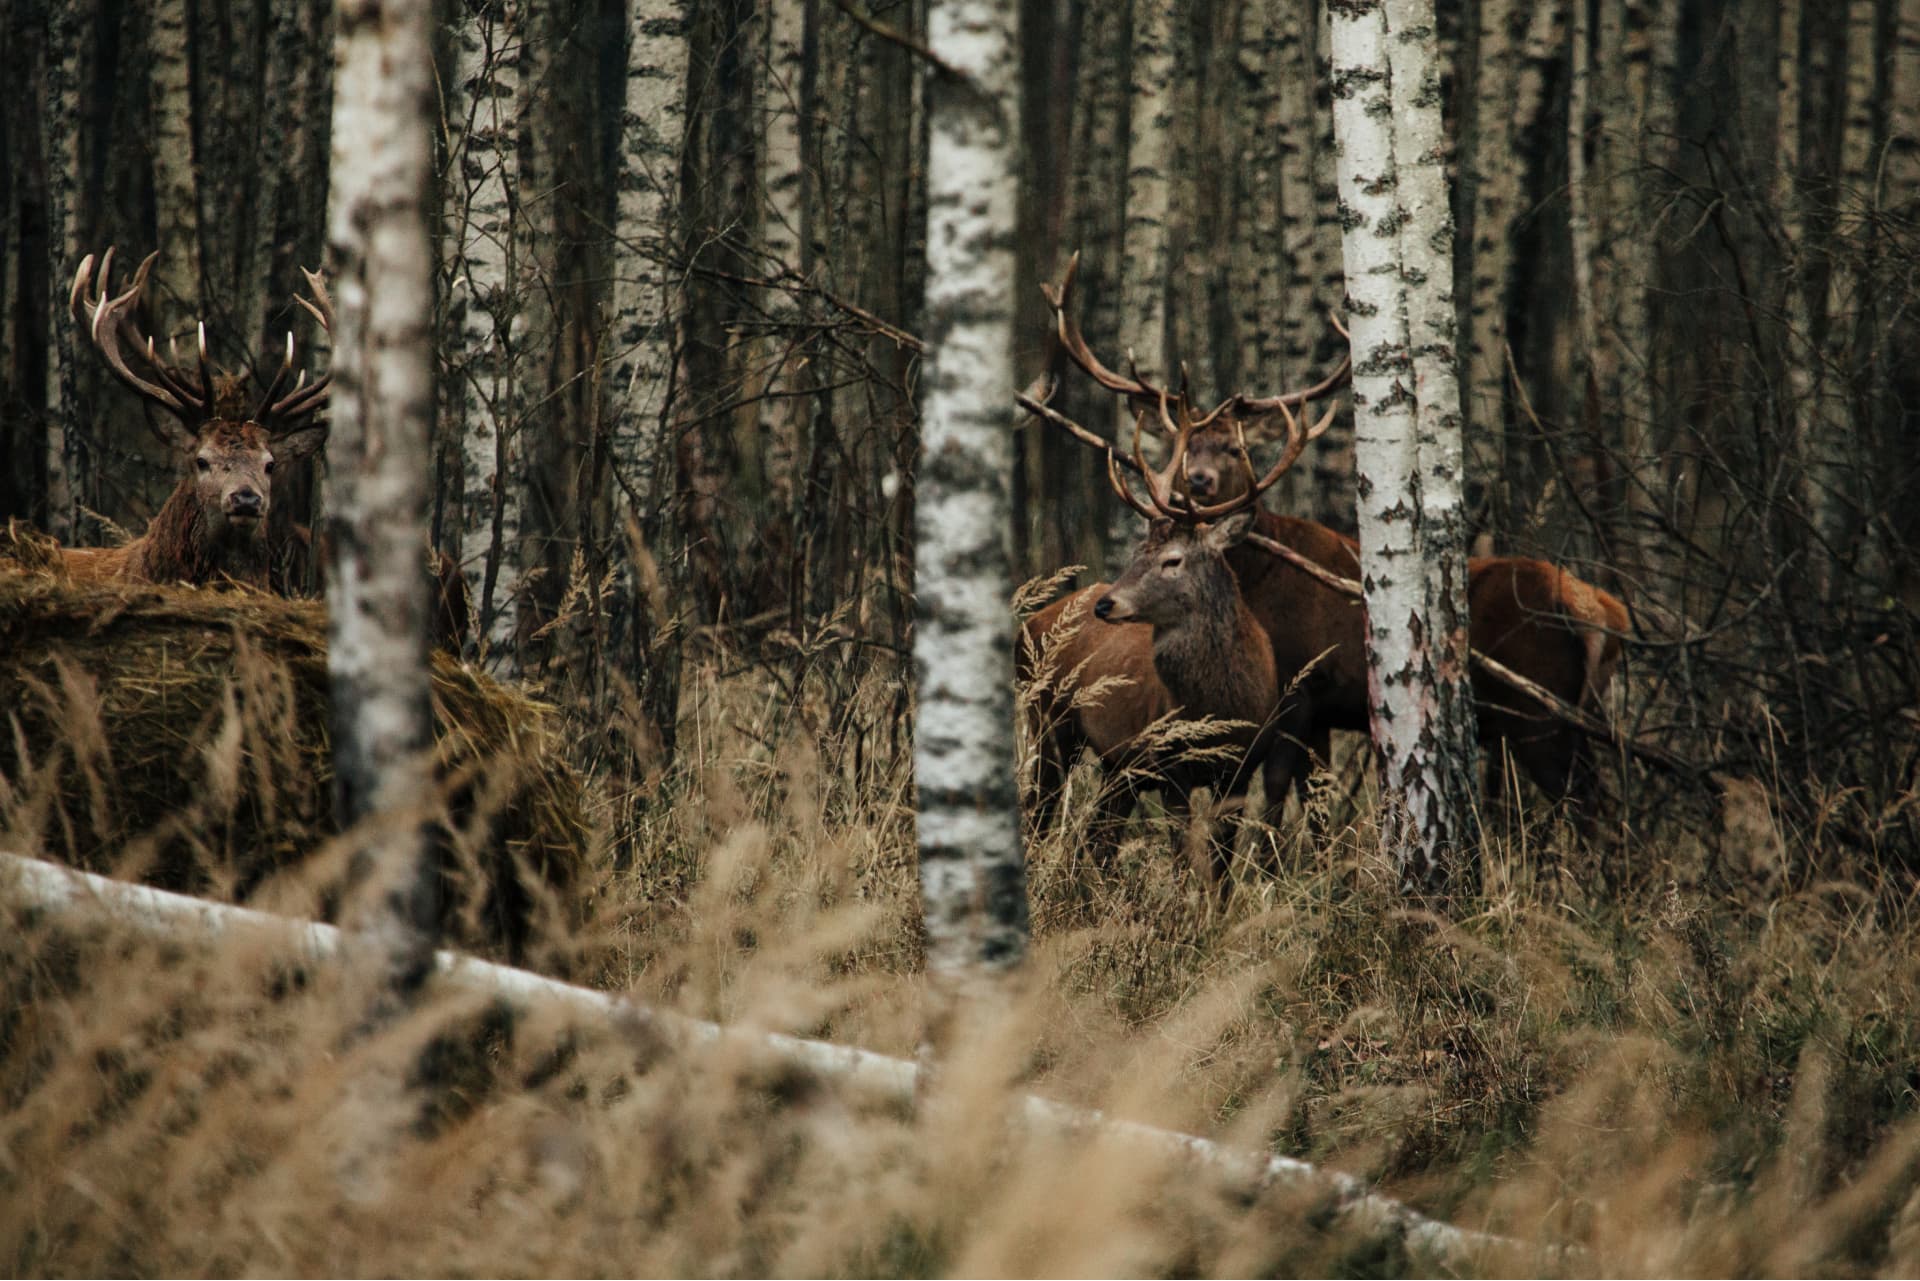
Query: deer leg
(1051, 766)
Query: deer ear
(300, 442)
(1230, 531)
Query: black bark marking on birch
(1351, 82)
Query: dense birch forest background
(679, 292)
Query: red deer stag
(1063, 658)
(1210, 654)
(1537, 619)
(214, 523)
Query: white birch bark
(487, 72)
(972, 879)
(1144, 264)
(1579, 196)
(1406, 643)
(652, 130)
(1426, 233)
(1301, 310)
(1497, 168)
(1651, 52)
(1333, 457)
(1903, 104)
(68, 26)
(1801, 372)
(1149, 194)
(1849, 302)
(1261, 261)
(382, 407)
(783, 185)
(176, 197)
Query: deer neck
(1217, 661)
(182, 545)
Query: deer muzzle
(246, 504)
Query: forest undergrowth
(1633, 1058)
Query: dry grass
(1686, 1076)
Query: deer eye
(269, 466)
(1171, 562)
(203, 464)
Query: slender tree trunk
(972, 878)
(647, 306)
(1829, 485)
(1903, 101)
(1411, 650)
(176, 196)
(1333, 458)
(61, 113)
(1426, 233)
(1261, 258)
(382, 407)
(1144, 264)
(783, 180)
(1496, 168)
(1096, 216)
(485, 296)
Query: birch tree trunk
(1097, 213)
(1147, 199)
(61, 113)
(782, 416)
(1903, 125)
(1426, 233)
(646, 309)
(488, 50)
(176, 197)
(1333, 458)
(972, 878)
(1415, 681)
(1261, 258)
(1828, 489)
(1496, 168)
(382, 406)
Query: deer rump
(1534, 617)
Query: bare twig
(893, 35)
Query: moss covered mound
(180, 736)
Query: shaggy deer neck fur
(183, 545)
(1217, 661)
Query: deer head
(1178, 573)
(226, 446)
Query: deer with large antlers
(214, 523)
(1543, 623)
(1245, 631)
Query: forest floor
(1626, 1059)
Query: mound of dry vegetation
(180, 736)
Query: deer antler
(108, 320)
(303, 399)
(1136, 389)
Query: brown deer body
(1539, 620)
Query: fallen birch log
(49, 887)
